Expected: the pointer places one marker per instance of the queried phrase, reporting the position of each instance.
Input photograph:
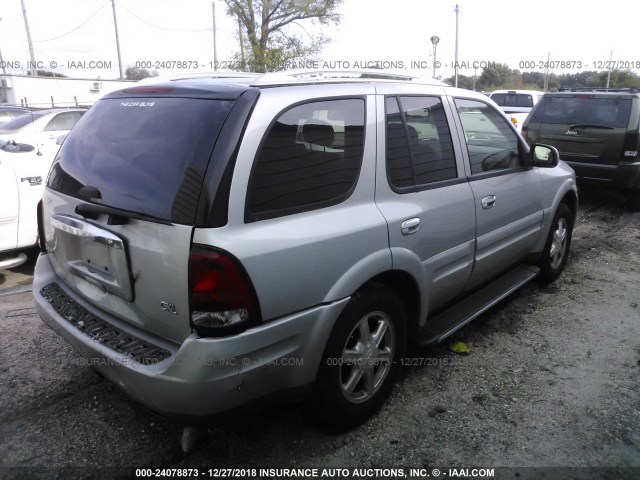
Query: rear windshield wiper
(116, 215)
(589, 125)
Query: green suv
(597, 134)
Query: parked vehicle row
(596, 130)
(8, 112)
(28, 145)
(516, 104)
(41, 127)
(597, 133)
(215, 242)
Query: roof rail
(201, 75)
(289, 75)
(600, 89)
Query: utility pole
(115, 24)
(609, 72)
(34, 70)
(4, 70)
(241, 43)
(456, 65)
(215, 48)
(546, 72)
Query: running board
(454, 318)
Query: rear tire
(556, 250)
(360, 361)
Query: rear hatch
(585, 128)
(123, 197)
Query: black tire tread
(328, 406)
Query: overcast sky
(397, 32)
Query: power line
(160, 27)
(74, 29)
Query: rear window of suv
(584, 109)
(146, 156)
(512, 99)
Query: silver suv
(207, 243)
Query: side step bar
(454, 318)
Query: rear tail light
(222, 298)
(514, 120)
(42, 242)
(631, 144)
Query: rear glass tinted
(63, 121)
(419, 147)
(146, 156)
(21, 121)
(309, 159)
(512, 99)
(584, 109)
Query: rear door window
(310, 158)
(146, 156)
(419, 148)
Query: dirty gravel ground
(552, 380)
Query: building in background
(54, 92)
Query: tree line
(500, 76)
(272, 33)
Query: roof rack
(296, 76)
(287, 76)
(600, 89)
(201, 76)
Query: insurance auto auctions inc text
(343, 473)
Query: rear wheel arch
(405, 287)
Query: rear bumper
(202, 376)
(623, 175)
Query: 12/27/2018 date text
(579, 64)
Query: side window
(63, 121)
(491, 143)
(419, 148)
(309, 159)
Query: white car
(41, 127)
(516, 104)
(23, 172)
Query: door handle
(488, 201)
(410, 226)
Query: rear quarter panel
(298, 261)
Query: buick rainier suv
(209, 243)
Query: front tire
(361, 359)
(556, 250)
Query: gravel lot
(552, 380)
